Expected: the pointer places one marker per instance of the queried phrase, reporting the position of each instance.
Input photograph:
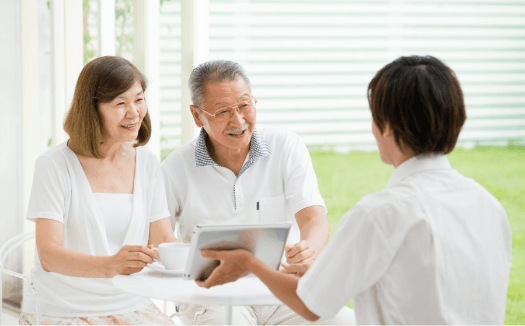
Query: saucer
(158, 267)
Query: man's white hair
(214, 72)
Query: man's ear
(388, 131)
(196, 114)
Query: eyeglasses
(225, 113)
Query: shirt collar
(202, 158)
(258, 148)
(418, 164)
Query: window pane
(310, 64)
(170, 75)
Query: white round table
(247, 291)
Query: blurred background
(309, 62)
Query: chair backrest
(11, 245)
(5, 250)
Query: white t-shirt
(62, 192)
(433, 247)
(277, 180)
(117, 210)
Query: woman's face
(123, 116)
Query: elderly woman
(433, 247)
(99, 204)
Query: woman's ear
(196, 114)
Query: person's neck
(397, 162)
(112, 150)
(232, 159)
(399, 157)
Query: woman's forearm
(54, 257)
(63, 261)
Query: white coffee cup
(173, 255)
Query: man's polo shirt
(433, 247)
(276, 181)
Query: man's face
(383, 143)
(235, 132)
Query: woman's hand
(131, 259)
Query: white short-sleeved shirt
(276, 181)
(62, 192)
(433, 247)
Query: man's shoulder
(398, 203)
(273, 131)
(277, 136)
(383, 198)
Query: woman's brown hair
(101, 81)
(421, 100)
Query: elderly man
(238, 173)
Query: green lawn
(345, 178)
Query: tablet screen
(264, 241)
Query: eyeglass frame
(236, 109)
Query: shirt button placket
(239, 196)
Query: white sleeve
(171, 194)
(354, 260)
(159, 206)
(300, 183)
(49, 191)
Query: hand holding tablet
(264, 241)
(231, 267)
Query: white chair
(6, 249)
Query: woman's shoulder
(55, 163)
(147, 159)
(147, 154)
(57, 156)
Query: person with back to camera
(433, 247)
(99, 204)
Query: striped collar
(258, 148)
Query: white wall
(44, 73)
(10, 134)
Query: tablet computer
(264, 241)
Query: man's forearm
(313, 226)
(316, 233)
(283, 286)
(160, 232)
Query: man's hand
(232, 267)
(299, 257)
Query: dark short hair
(421, 100)
(214, 72)
(101, 81)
